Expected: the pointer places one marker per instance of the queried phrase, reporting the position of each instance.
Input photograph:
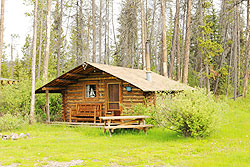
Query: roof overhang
(59, 84)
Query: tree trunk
(33, 71)
(88, 40)
(222, 59)
(46, 57)
(229, 69)
(11, 60)
(40, 41)
(59, 40)
(77, 35)
(108, 50)
(238, 51)
(100, 33)
(83, 56)
(187, 43)
(153, 21)
(105, 36)
(207, 78)
(113, 25)
(164, 44)
(174, 39)
(1, 33)
(143, 33)
(94, 31)
(246, 75)
(178, 62)
(182, 41)
(235, 48)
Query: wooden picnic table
(135, 122)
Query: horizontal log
(76, 75)
(53, 88)
(133, 89)
(75, 86)
(67, 80)
(74, 95)
(75, 90)
(133, 96)
(98, 78)
(133, 101)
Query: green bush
(10, 122)
(191, 113)
(141, 109)
(15, 99)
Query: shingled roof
(135, 77)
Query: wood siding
(75, 93)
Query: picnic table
(135, 122)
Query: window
(90, 91)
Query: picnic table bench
(135, 122)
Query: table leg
(109, 123)
(109, 133)
(105, 122)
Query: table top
(124, 117)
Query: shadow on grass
(154, 134)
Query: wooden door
(114, 99)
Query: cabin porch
(88, 112)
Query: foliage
(191, 113)
(15, 99)
(228, 146)
(10, 122)
(140, 109)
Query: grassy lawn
(228, 146)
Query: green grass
(228, 146)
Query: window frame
(97, 91)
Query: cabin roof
(135, 77)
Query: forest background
(203, 43)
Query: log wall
(75, 93)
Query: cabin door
(114, 99)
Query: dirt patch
(64, 164)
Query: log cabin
(92, 90)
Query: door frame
(107, 97)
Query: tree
(12, 48)
(100, 33)
(164, 45)
(143, 35)
(46, 58)
(32, 104)
(175, 40)
(128, 34)
(94, 31)
(187, 43)
(1, 33)
(246, 75)
(40, 38)
(59, 39)
(235, 44)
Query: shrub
(140, 109)
(192, 112)
(15, 99)
(10, 122)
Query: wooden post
(95, 115)
(47, 106)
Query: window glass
(90, 91)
